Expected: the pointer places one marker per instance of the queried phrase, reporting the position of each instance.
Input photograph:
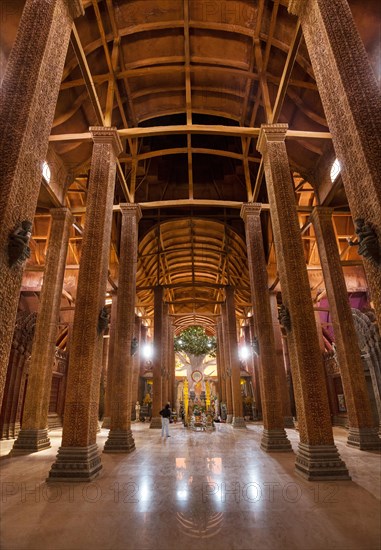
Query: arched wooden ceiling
(194, 260)
(145, 66)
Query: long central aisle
(192, 490)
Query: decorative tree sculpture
(195, 350)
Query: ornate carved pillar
(156, 371)
(28, 100)
(284, 389)
(227, 369)
(362, 430)
(286, 359)
(317, 456)
(352, 104)
(172, 364)
(220, 364)
(110, 364)
(274, 437)
(34, 432)
(164, 357)
(237, 421)
(255, 377)
(78, 458)
(12, 390)
(136, 365)
(120, 438)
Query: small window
(335, 170)
(46, 171)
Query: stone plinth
(320, 463)
(31, 441)
(275, 440)
(238, 422)
(76, 464)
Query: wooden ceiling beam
(201, 129)
(183, 151)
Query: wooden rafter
(86, 73)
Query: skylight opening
(335, 170)
(46, 173)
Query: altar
(201, 423)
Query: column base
(155, 423)
(320, 463)
(275, 441)
(365, 439)
(229, 419)
(76, 464)
(119, 441)
(106, 423)
(288, 422)
(238, 422)
(31, 441)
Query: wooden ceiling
(188, 84)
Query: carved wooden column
(172, 364)
(362, 430)
(28, 100)
(78, 458)
(256, 367)
(317, 456)
(136, 364)
(274, 437)
(352, 104)
(220, 364)
(103, 386)
(237, 421)
(157, 343)
(120, 438)
(11, 395)
(164, 357)
(284, 389)
(227, 369)
(110, 364)
(34, 433)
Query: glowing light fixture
(147, 351)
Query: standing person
(166, 415)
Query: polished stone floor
(191, 491)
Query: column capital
(76, 8)
(131, 209)
(103, 134)
(270, 132)
(297, 7)
(61, 213)
(321, 212)
(250, 209)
